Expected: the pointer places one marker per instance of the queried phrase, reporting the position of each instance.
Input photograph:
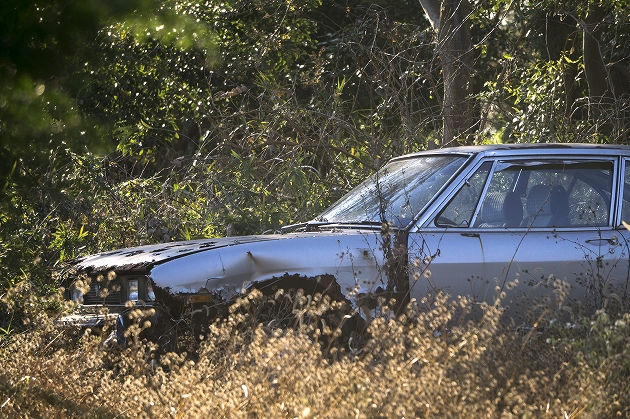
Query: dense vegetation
(128, 122)
(424, 364)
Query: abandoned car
(463, 220)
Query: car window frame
(426, 222)
(459, 188)
(623, 164)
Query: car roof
(529, 149)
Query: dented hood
(353, 256)
(143, 258)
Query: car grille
(93, 297)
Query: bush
(427, 363)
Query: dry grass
(426, 364)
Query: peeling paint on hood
(145, 257)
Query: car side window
(547, 194)
(589, 205)
(460, 210)
(502, 205)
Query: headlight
(79, 289)
(132, 290)
(150, 293)
(77, 295)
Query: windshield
(396, 193)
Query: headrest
(538, 202)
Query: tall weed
(426, 363)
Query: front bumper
(87, 320)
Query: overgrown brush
(426, 363)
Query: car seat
(501, 209)
(546, 207)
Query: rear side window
(542, 194)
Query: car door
(531, 220)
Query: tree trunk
(560, 40)
(600, 94)
(450, 20)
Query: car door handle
(613, 241)
(470, 234)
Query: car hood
(143, 258)
(353, 256)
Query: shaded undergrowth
(430, 362)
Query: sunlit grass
(427, 363)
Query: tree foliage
(542, 83)
(153, 120)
